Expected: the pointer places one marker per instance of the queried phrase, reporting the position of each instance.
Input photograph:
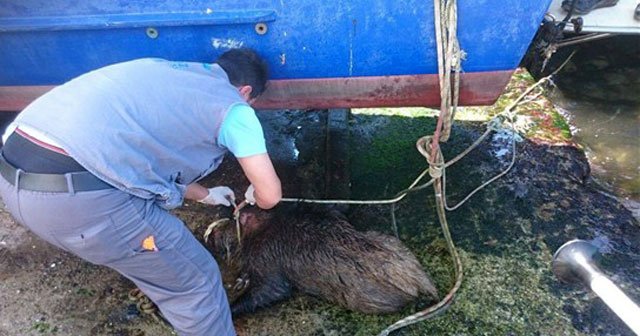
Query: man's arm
(196, 192)
(220, 195)
(260, 172)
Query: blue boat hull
(351, 47)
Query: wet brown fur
(321, 254)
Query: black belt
(81, 181)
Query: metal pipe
(573, 262)
(582, 38)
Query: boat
(342, 54)
(617, 17)
(564, 32)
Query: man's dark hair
(245, 67)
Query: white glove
(219, 195)
(249, 195)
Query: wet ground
(506, 234)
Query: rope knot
(435, 171)
(437, 166)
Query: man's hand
(219, 195)
(249, 196)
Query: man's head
(246, 71)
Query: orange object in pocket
(149, 244)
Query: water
(610, 134)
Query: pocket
(134, 227)
(98, 243)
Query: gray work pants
(107, 227)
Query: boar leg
(262, 294)
(240, 286)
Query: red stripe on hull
(477, 88)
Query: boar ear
(247, 218)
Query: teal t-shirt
(241, 132)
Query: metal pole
(582, 39)
(573, 262)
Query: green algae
(376, 169)
(504, 289)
